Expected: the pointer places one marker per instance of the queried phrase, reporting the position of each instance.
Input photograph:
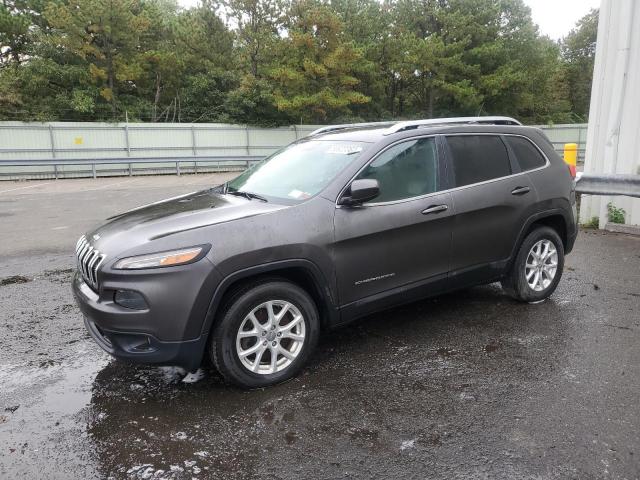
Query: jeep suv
(352, 219)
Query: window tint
(477, 158)
(529, 157)
(406, 170)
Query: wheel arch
(303, 273)
(557, 222)
(555, 219)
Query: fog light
(130, 299)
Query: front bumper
(169, 331)
(143, 348)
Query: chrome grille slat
(89, 260)
(79, 244)
(87, 264)
(91, 265)
(83, 259)
(80, 257)
(83, 252)
(97, 266)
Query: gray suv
(352, 219)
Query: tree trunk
(156, 100)
(111, 82)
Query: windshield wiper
(247, 195)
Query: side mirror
(362, 190)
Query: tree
(106, 34)
(14, 31)
(579, 51)
(315, 79)
(274, 62)
(257, 23)
(205, 47)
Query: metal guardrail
(76, 148)
(612, 184)
(245, 160)
(98, 149)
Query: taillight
(571, 157)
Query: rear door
(401, 237)
(490, 197)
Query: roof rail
(412, 124)
(399, 126)
(332, 128)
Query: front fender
(319, 279)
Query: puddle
(491, 347)
(446, 352)
(61, 275)
(15, 279)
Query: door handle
(520, 190)
(434, 209)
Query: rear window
(528, 156)
(478, 158)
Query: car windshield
(297, 172)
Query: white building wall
(613, 137)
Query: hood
(172, 216)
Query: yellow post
(571, 156)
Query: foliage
(593, 223)
(579, 51)
(615, 214)
(316, 78)
(277, 62)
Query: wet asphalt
(467, 385)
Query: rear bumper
(168, 332)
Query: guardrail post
(93, 169)
(126, 139)
(53, 151)
(194, 148)
(178, 168)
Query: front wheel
(537, 268)
(265, 334)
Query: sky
(555, 18)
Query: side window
(406, 170)
(528, 156)
(477, 158)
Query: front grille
(89, 260)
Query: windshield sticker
(346, 149)
(298, 195)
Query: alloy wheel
(542, 265)
(270, 337)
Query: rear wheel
(537, 268)
(265, 334)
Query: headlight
(161, 259)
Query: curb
(622, 228)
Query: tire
(290, 339)
(517, 285)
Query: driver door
(397, 246)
